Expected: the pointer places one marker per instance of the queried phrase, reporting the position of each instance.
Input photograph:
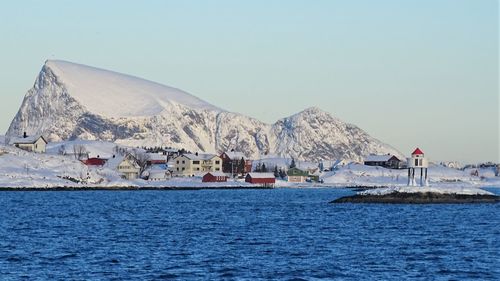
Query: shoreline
(175, 188)
(129, 188)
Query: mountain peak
(313, 110)
(97, 89)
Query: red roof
(94, 162)
(417, 152)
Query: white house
(126, 165)
(190, 165)
(36, 144)
(157, 174)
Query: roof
(379, 158)
(216, 174)
(200, 157)
(297, 172)
(417, 151)
(156, 157)
(235, 155)
(113, 163)
(261, 175)
(26, 140)
(157, 173)
(94, 161)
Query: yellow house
(36, 144)
(296, 175)
(190, 165)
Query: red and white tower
(417, 160)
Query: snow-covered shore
(21, 169)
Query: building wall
(229, 166)
(417, 162)
(39, 146)
(128, 169)
(212, 178)
(27, 147)
(296, 179)
(260, 180)
(185, 167)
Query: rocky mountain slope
(70, 101)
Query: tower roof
(417, 152)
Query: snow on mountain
(112, 94)
(72, 101)
(315, 132)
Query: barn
(265, 179)
(214, 177)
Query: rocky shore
(419, 198)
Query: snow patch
(423, 189)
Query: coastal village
(161, 165)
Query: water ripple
(241, 235)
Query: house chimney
(25, 135)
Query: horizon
(368, 73)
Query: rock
(419, 198)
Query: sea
(274, 234)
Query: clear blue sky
(411, 73)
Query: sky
(410, 73)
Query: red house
(232, 163)
(266, 179)
(94, 162)
(214, 177)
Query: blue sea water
(280, 234)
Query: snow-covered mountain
(70, 101)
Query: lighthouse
(416, 161)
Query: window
(196, 162)
(420, 162)
(183, 168)
(197, 169)
(217, 169)
(217, 162)
(177, 169)
(177, 161)
(416, 162)
(183, 162)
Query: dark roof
(297, 172)
(27, 140)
